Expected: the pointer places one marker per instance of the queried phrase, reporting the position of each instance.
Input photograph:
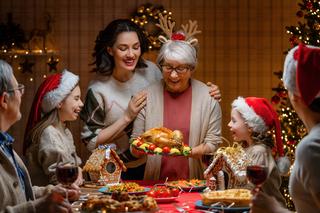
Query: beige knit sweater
(41, 158)
(257, 153)
(205, 126)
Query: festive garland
(147, 17)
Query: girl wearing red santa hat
(301, 77)
(252, 122)
(47, 137)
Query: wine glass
(67, 173)
(257, 173)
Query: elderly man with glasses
(16, 191)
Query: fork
(180, 209)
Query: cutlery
(180, 209)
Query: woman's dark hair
(104, 63)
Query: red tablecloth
(186, 200)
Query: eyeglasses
(20, 88)
(179, 69)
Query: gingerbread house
(233, 162)
(104, 166)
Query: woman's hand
(195, 153)
(214, 91)
(136, 103)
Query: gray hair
(6, 74)
(180, 51)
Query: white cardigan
(205, 125)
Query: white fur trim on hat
(290, 71)
(67, 83)
(284, 165)
(289, 77)
(249, 115)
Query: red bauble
(275, 99)
(293, 39)
(299, 14)
(291, 142)
(283, 94)
(309, 5)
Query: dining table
(185, 202)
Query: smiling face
(70, 107)
(126, 51)
(238, 127)
(176, 82)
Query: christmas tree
(293, 130)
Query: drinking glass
(67, 173)
(257, 173)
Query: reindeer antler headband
(189, 30)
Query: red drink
(257, 174)
(67, 174)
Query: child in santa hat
(301, 77)
(252, 122)
(47, 137)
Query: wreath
(147, 16)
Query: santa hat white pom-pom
(283, 164)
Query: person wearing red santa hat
(252, 122)
(47, 137)
(301, 77)
(16, 190)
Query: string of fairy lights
(146, 17)
(25, 49)
(308, 31)
(26, 59)
(293, 130)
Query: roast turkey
(162, 137)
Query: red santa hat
(259, 115)
(302, 71)
(50, 93)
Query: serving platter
(105, 190)
(168, 152)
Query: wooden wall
(241, 44)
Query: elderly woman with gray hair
(180, 102)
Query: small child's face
(70, 107)
(238, 127)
